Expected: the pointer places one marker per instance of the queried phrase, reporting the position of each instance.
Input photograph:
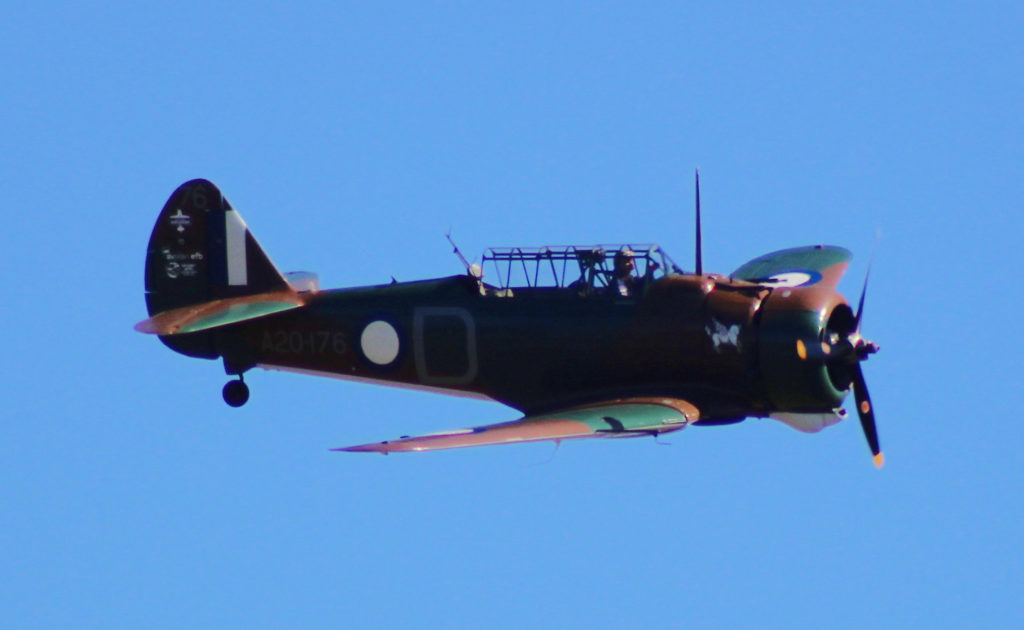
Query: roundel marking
(794, 278)
(379, 342)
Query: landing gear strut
(236, 393)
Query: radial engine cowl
(809, 315)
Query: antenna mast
(473, 270)
(700, 267)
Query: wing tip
(376, 447)
(146, 326)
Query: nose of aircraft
(843, 351)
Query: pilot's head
(624, 261)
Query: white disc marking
(790, 279)
(379, 342)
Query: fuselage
(692, 337)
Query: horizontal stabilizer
(797, 267)
(619, 418)
(197, 317)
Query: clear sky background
(352, 136)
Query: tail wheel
(236, 393)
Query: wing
(630, 417)
(797, 267)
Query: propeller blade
(860, 305)
(867, 415)
(864, 291)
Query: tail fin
(201, 250)
(205, 269)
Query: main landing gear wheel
(236, 393)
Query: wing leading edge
(631, 417)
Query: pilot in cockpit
(623, 282)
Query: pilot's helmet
(623, 257)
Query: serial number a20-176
(303, 342)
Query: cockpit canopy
(585, 268)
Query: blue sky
(352, 137)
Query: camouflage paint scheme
(683, 348)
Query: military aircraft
(585, 341)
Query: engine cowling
(812, 315)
